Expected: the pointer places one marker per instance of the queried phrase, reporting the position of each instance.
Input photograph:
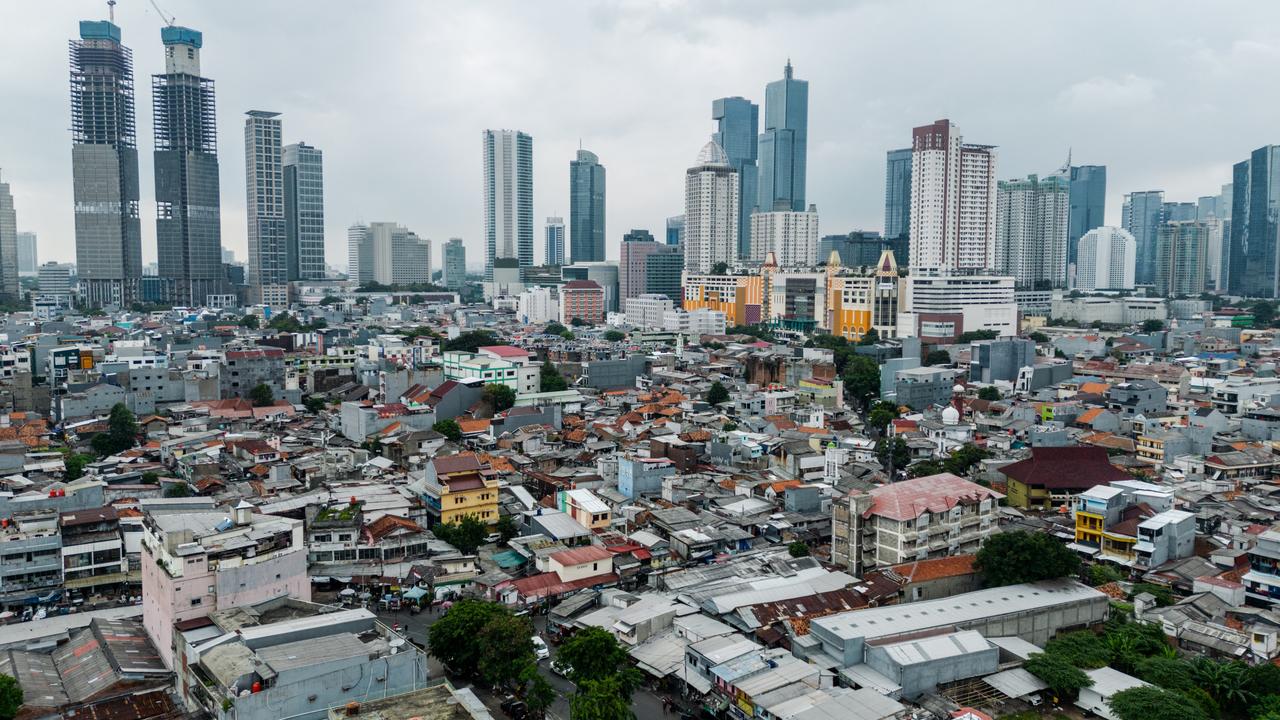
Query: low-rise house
(1052, 476)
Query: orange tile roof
(943, 567)
(469, 425)
(1089, 415)
(1094, 388)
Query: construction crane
(168, 19)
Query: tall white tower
(711, 202)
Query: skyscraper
(586, 208)
(784, 143)
(953, 200)
(1179, 211)
(1031, 230)
(1226, 209)
(1181, 247)
(508, 197)
(1254, 270)
(455, 264)
(555, 241)
(791, 236)
(28, 256)
(188, 214)
(10, 289)
(897, 196)
(104, 166)
(638, 246)
(1105, 260)
(1141, 215)
(390, 254)
(1088, 203)
(304, 211)
(264, 189)
(711, 204)
(675, 230)
(737, 129)
(359, 259)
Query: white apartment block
(953, 200)
(537, 306)
(1106, 259)
(941, 307)
(647, 311)
(1031, 230)
(711, 201)
(697, 322)
(791, 236)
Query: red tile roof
(908, 499)
(578, 556)
(943, 567)
(506, 351)
(1079, 466)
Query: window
(196, 601)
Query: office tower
(1088, 203)
(791, 236)
(1225, 208)
(675, 230)
(711, 203)
(1254, 270)
(1141, 215)
(104, 166)
(555, 241)
(860, 248)
(389, 254)
(264, 207)
(1216, 217)
(586, 208)
(897, 197)
(55, 284)
(455, 264)
(1179, 211)
(10, 289)
(1105, 260)
(303, 211)
(28, 256)
(1181, 247)
(508, 198)
(737, 127)
(662, 273)
(633, 267)
(953, 200)
(188, 214)
(604, 274)
(1032, 217)
(1206, 207)
(359, 262)
(784, 144)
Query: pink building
(196, 563)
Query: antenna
(168, 20)
(111, 11)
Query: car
(540, 648)
(560, 668)
(492, 538)
(515, 709)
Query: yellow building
(456, 486)
(739, 297)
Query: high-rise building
(359, 262)
(953, 200)
(1215, 212)
(55, 284)
(791, 236)
(861, 248)
(304, 211)
(1031, 230)
(508, 198)
(10, 289)
(104, 166)
(784, 144)
(675, 230)
(1105, 260)
(1254, 270)
(638, 246)
(555, 241)
(390, 254)
(455, 264)
(1088, 203)
(897, 197)
(1226, 209)
(264, 208)
(586, 208)
(28, 256)
(1181, 248)
(1142, 214)
(662, 273)
(188, 201)
(604, 274)
(711, 204)
(737, 130)
(1179, 211)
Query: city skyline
(646, 158)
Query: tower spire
(786, 72)
(111, 11)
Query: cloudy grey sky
(1166, 94)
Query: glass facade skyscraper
(508, 198)
(104, 166)
(784, 144)
(675, 230)
(1143, 212)
(455, 264)
(264, 208)
(10, 290)
(737, 129)
(897, 197)
(555, 241)
(1254, 270)
(1088, 203)
(586, 208)
(304, 211)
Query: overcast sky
(1166, 94)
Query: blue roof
(99, 30)
(178, 35)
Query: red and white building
(953, 200)
(582, 300)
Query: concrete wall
(922, 677)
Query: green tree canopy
(506, 648)
(506, 527)
(614, 335)
(593, 654)
(448, 428)
(798, 549)
(1153, 703)
(600, 700)
(1264, 313)
(990, 393)
(862, 380)
(471, 341)
(937, 357)
(328, 300)
(1038, 337)
(894, 449)
(1017, 557)
(717, 394)
(1152, 325)
(964, 458)
(720, 268)
(75, 464)
(466, 535)
(971, 335)
(554, 328)
(550, 379)
(314, 403)
(284, 322)
(178, 490)
(502, 396)
(250, 321)
(10, 697)
(483, 640)
(1062, 677)
(261, 395)
(1081, 648)
(121, 434)
(870, 337)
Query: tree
(314, 403)
(971, 335)
(284, 322)
(593, 654)
(328, 300)
(502, 396)
(1263, 313)
(261, 395)
(1224, 681)
(1103, 574)
(882, 413)
(1017, 557)
(506, 527)
(250, 321)
(471, 341)
(720, 268)
(1153, 703)
(1038, 337)
(578, 322)
(1062, 677)
(759, 332)
(964, 458)
(466, 534)
(121, 434)
(870, 337)
(893, 451)
(1081, 648)
(550, 379)
(506, 648)
(1162, 594)
(990, 393)
(717, 394)
(925, 468)
(10, 697)
(614, 335)
(1169, 673)
(937, 357)
(553, 328)
(862, 380)
(448, 428)
(150, 477)
(1152, 325)
(798, 549)
(474, 639)
(600, 700)
(538, 694)
(75, 463)
(178, 490)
